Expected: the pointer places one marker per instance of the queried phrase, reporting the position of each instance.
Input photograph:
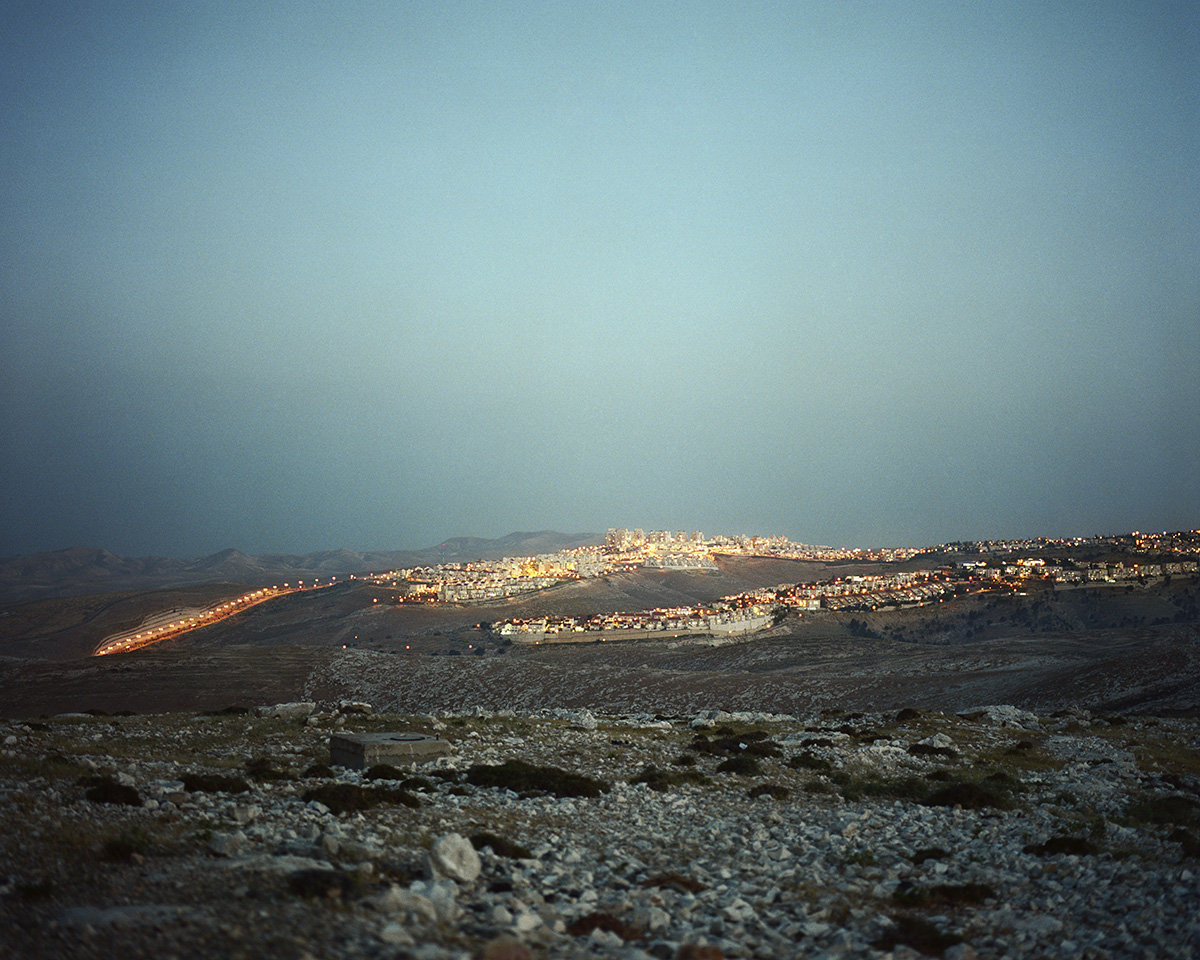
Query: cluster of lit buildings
(722, 617)
(634, 543)
(482, 580)
(1172, 544)
(625, 549)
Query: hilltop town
(1012, 566)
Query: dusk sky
(298, 276)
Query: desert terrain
(1101, 647)
(986, 777)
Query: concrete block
(362, 750)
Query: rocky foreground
(995, 833)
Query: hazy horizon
(373, 275)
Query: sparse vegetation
(522, 777)
(213, 783)
(807, 760)
(743, 765)
(1164, 811)
(126, 846)
(969, 796)
(1055, 846)
(918, 933)
(501, 846)
(663, 780)
(107, 790)
(343, 798)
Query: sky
(299, 276)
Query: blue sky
(374, 274)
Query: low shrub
(969, 796)
(961, 893)
(904, 788)
(807, 760)
(125, 846)
(674, 881)
(320, 884)
(1165, 811)
(754, 746)
(261, 768)
(929, 750)
(1187, 841)
(1074, 846)
(36, 889)
(107, 790)
(343, 798)
(384, 771)
(602, 921)
(522, 777)
(756, 743)
(501, 847)
(213, 783)
(663, 780)
(918, 933)
(742, 765)
(772, 790)
(943, 894)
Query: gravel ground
(995, 833)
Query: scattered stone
(1004, 715)
(227, 844)
(452, 857)
(527, 921)
(246, 813)
(396, 934)
(699, 871)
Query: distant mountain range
(83, 570)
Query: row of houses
(719, 619)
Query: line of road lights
(151, 636)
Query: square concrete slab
(362, 750)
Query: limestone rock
(227, 844)
(288, 711)
(452, 857)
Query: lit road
(163, 626)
